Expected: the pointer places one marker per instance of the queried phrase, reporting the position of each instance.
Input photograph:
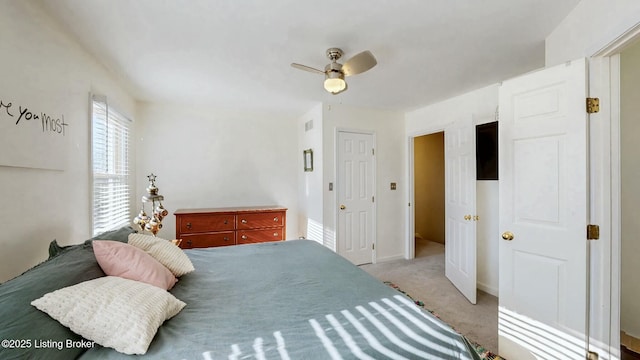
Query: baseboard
(630, 342)
(488, 289)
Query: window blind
(111, 167)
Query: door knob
(507, 235)
(342, 207)
(467, 217)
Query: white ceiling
(238, 53)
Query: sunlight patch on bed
(385, 322)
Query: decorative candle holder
(152, 223)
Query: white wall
(488, 235)
(44, 66)
(310, 215)
(390, 167)
(479, 105)
(208, 157)
(589, 27)
(629, 175)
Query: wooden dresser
(212, 227)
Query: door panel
(537, 193)
(543, 203)
(355, 183)
(460, 207)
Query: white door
(543, 214)
(355, 186)
(460, 207)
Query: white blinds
(111, 166)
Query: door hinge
(373, 199)
(593, 232)
(592, 355)
(593, 105)
(373, 246)
(373, 151)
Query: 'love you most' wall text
(30, 137)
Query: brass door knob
(342, 207)
(507, 235)
(467, 217)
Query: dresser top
(230, 209)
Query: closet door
(460, 207)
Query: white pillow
(168, 254)
(114, 312)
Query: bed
(282, 300)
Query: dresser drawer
(261, 220)
(197, 223)
(257, 236)
(208, 240)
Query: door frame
(604, 83)
(336, 202)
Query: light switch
(393, 186)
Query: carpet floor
(423, 279)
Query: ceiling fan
(335, 72)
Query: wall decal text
(23, 115)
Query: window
(111, 167)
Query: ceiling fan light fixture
(334, 72)
(334, 82)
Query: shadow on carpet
(484, 353)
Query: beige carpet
(423, 279)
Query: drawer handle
(226, 221)
(244, 221)
(189, 242)
(275, 234)
(244, 237)
(226, 238)
(189, 226)
(275, 219)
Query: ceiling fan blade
(307, 68)
(359, 63)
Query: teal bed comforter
(293, 300)
(283, 300)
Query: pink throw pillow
(129, 262)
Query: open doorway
(428, 191)
(429, 183)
